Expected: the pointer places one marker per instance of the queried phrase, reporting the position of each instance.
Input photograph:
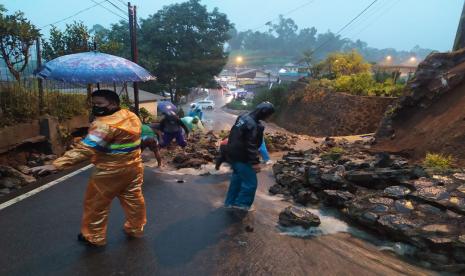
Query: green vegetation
(17, 35)
(145, 115)
(438, 163)
(350, 73)
(184, 51)
(284, 42)
(240, 105)
(333, 154)
(18, 104)
(278, 96)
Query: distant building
(293, 72)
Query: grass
(439, 163)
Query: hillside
(431, 117)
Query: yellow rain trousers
(113, 145)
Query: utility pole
(134, 53)
(460, 37)
(39, 80)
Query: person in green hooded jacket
(192, 123)
(149, 139)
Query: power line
(101, 5)
(346, 25)
(375, 9)
(71, 16)
(287, 13)
(385, 11)
(122, 2)
(123, 11)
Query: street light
(389, 58)
(413, 59)
(239, 60)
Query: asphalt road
(188, 233)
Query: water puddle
(332, 223)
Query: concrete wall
(150, 106)
(45, 129)
(326, 113)
(12, 136)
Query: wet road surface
(188, 233)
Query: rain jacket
(187, 121)
(112, 142)
(113, 146)
(244, 140)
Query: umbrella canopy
(166, 107)
(93, 67)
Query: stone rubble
(14, 179)
(203, 148)
(384, 193)
(295, 216)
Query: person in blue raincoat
(196, 111)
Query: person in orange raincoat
(113, 146)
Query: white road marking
(42, 188)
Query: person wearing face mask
(244, 142)
(113, 146)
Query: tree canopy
(74, 39)
(183, 44)
(285, 40)
(17, 35)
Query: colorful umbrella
(93, 67)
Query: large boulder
(337, 198)
(295, 216)
(379, 178)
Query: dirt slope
(431, 118)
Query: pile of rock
(13, 179)
(201, 149)
(280, 141)
(384, 193)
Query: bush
(19, 104)
(333, 154)
(277, 96)
(362, 84)
(439, 163)
(357, 84)
(240, 105)
(145, 115)
(64, 106)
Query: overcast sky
(400, 24)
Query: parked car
(206, 104)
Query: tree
(108, 41)
(17, 35)
(183, 44)
(285, 32)
(75, 39)
(307, 59)
(345, 64)
(119, 35)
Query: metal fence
(26, 99)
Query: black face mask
(102, 111)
